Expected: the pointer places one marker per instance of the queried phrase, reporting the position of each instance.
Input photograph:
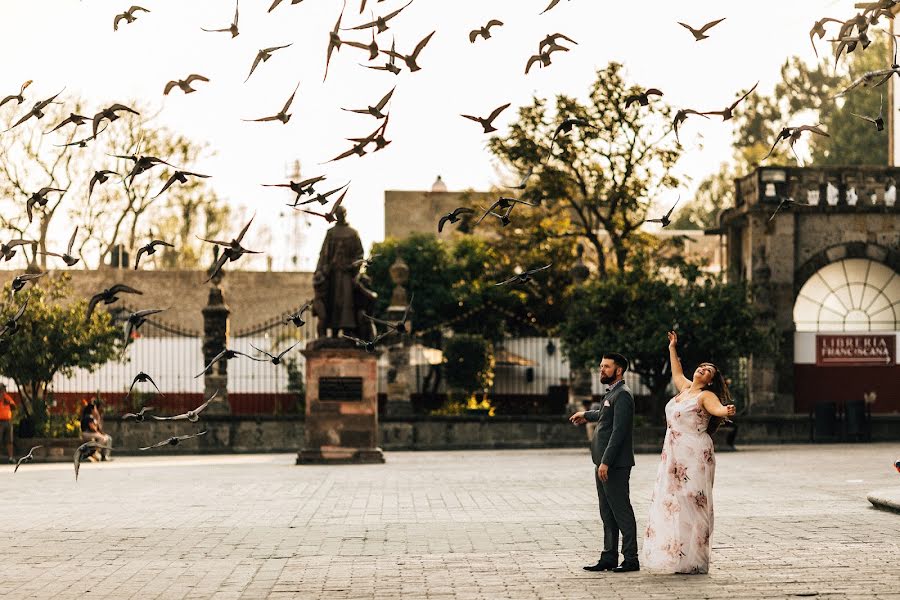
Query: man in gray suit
(612, 451)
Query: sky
(71, 43)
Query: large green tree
(805, 95)
(453, 284)
(600, 181)
(54, 338)
(631, 311)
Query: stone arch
(888, 256)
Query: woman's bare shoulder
(707, 396)
(682, 384)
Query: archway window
(855, 294)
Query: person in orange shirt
(6, 427)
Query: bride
(680, 521)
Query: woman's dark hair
(617, 358)
(718, 387)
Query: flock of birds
(853, 35)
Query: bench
(54, 449)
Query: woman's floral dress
(680, 521)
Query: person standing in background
(7, 404)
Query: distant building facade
(413, 212)
(825, 270)
(410, 212)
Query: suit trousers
(617, 515)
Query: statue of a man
(340, 295)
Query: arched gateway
(825, 269)
(847, 319)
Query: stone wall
(816, 232)
(252, 296)
(228, 434)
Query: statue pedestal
(341, 406)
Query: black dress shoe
(625, 567)
(601, 566)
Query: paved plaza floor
(791, 521)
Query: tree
(804, 96)
(597, 180)
(631, 311)
(54, 338)
(116, 212)
(713, 194)
(454, 286)
(431, 281)
(469, 364)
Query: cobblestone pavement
(791, 521)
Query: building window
(849, 295)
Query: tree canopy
(54, 338)
(115, 212)
(631, 311)
(804, 96)
(599, 181)
(453, 285)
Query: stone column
(215, 339)
(762, 384)
(400, 377)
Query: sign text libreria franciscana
(863, 349)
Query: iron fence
(530, 372)
(173, 357)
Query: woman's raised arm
(681, 382)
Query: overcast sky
(71, 43)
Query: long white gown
(680, 520)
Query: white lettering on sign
(868, 349)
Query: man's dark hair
(617, 358)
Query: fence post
(215, 337)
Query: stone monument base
(337, 455)
(341, 405)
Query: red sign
(849, 350)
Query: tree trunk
(25, 398)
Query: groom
(612, 451)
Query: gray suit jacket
(613, 443)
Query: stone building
(411, 212)
(821, 249)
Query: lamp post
(400, 378)
(215, 339)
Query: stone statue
(341, 292)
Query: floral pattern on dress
(680, 519)
(674, 549)
(700, 499)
